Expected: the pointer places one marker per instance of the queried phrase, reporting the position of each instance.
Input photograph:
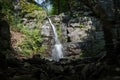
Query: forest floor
(37, 68)
(16, 37)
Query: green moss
(27, 7)
(82, 26)
(59, 32)
(31, 43)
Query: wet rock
(56, 69)
(70, 29)
(46, 29)
(56, 19)
(72, 49)
(23, 77)
(75, 24)
(14, 62)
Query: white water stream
(57, 51)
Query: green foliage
(6, 6)
(82, 26)
(32, 42)
(60, 6)
(7, 9)
(16, 25)
(27, 7)
(59, 32)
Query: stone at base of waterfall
(72, 52)
(57, 53)
(72, 49)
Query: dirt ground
(16, 37)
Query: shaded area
(4, 34)
(36, 68)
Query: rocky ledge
(35, 68)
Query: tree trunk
(4, 34)
(117, 19)
(58, 6)
(108, 37)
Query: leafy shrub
(27, 7)
(7, 10)
(32, 42)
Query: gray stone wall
(83, 34)
(86, 34)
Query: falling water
(57, 51)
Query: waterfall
(57, 51)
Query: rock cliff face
(78, 35)
(85, 33)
